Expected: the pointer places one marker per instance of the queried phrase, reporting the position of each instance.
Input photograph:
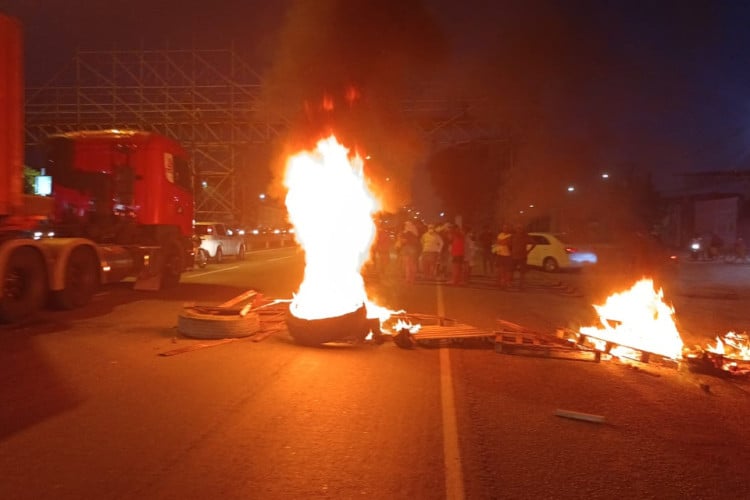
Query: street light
(605, 175)
(571, 189)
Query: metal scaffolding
(210, 100)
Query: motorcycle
(697, 251)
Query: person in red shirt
(458, 249)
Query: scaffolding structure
(210, 100)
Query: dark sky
(658, 86)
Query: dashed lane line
(454, 481)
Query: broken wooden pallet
(457, 331)
(532, 344)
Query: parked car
(220, 241)
(553, 252)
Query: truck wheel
(24, 283)
(241, 253)
(172, 265)
(219, 256)
(81, 280)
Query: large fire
(638, 319)
(332, 211)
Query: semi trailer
(120, 206)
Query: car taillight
(570, 250)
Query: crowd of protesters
(452, 254)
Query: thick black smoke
(345, 67)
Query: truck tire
(81, 279)
(219, 257)
(217, 326)
(24, 282)
(172, 265)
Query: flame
(732, 345)
(638, 319)
(406, 325)
(332, 212)
(716, 349)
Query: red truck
(121, 206)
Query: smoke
(345, 68)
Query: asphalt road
(91, 410)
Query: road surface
(91, 410)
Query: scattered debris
(256, 320)
(195, 347)
(586, 417)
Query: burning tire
(24, 283)
(217, 326)
(312, 332)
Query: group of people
(449, 252)
(434, 253)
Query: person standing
(432, 245)
(486, 242)
(502, 252)
(408, 247)
(382, 251)
(520, 246)
(470, 254)
(457, 251)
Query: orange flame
(638, 319)
(331, 209)
(732, 345)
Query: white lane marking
(279, 258)
(211, 272)
(454, 480)
(233, 267)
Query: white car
(554, 252)
(219, 241)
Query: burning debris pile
(730, 355)
(638, 325)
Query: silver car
(220, 241)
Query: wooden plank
(434, 332)
(196, 347)
(525, 344)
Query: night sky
(585, 86)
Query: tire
(241, 253)
(550, 265)
(216, 326)
(172, 265)
(219, 257)
(81, 280)
(24, 282)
